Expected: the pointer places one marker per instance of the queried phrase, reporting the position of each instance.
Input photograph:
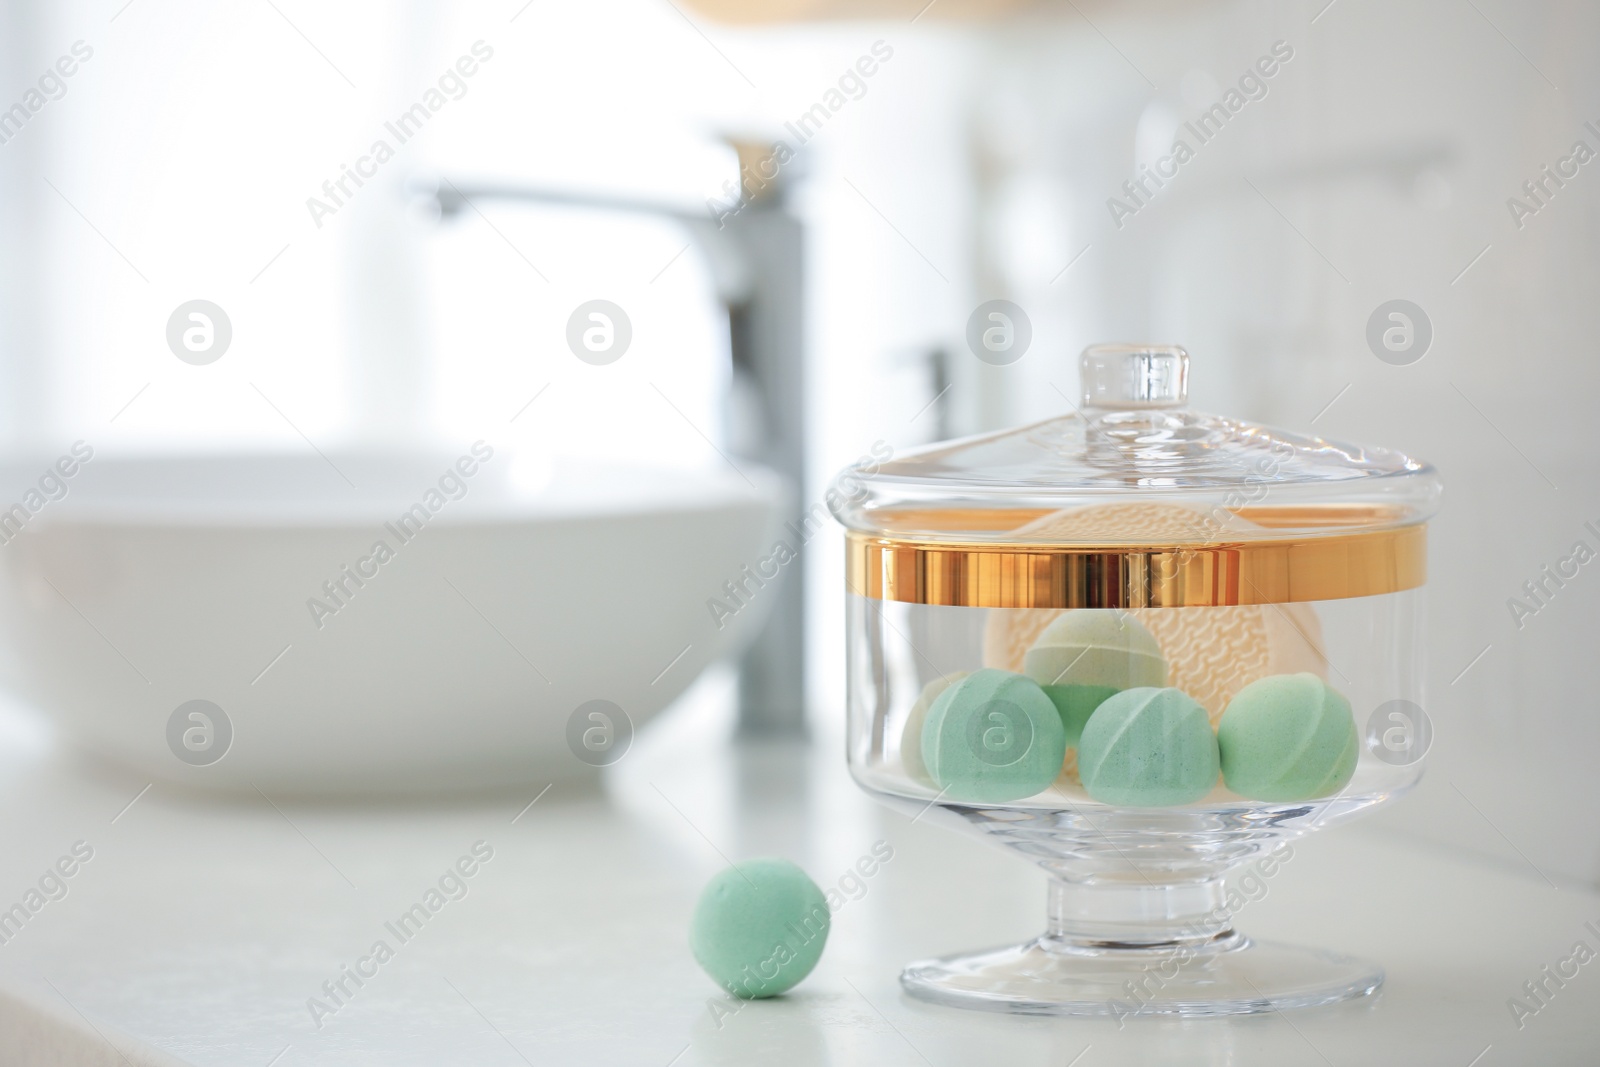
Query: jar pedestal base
(1230, 976)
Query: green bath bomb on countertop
(1096, 647)
(1148, 748)
(993, 736)
(759, 927)
(911, 736)
(1287, 737)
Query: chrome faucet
(754, 248)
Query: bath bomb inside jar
(916, 719)
(993, 737)
(1084, 656)
(1148, 748)
(1288, 737)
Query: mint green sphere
(916, 719)
(1075, 703)
(1096, 647)
(1287, 737)
(759, 927)
(1148, 748)
(993, 736)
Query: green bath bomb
(1148, 748)
(1287, 737)
(1075, 703)
(759, 927)
(1096, 647)
(992, 737)
(911, 736)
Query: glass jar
(1144, 647)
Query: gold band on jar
(999, 575)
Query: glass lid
(1133, 465)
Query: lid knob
(1129, 377)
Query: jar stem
(1098, 917)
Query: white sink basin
(457, 661)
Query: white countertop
(200, 928)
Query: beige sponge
(1211, 652)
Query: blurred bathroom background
(975, 162)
